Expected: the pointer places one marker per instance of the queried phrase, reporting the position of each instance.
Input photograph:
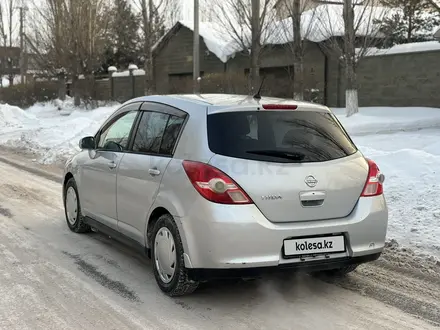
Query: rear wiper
(298, 156)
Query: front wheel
(167, 256)
(72, 208)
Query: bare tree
(207, 11)
(156, 16)
(72, 37)
(435, 4)
(350, 39)
(9, 29)
(240, 20)
(292, 32)
(12, 23)
(3, 37)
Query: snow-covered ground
(51, 133)
(405, 142)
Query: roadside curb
(33, 170)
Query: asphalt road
(51, 278)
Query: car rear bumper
(216, 236)
(205, 274)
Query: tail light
(279, 107)
(214, 185)
(374, 184)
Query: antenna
(258, 94)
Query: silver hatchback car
(213, 186)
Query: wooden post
(131, 69)
(111, 71)
(62, 86)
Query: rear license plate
(314, 245)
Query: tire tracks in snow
(401, 279)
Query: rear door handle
(112, 165)
(153, 171)
(312, 195)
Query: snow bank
(11, 116)
(411, 163)
(405, 143)
(47, 131)
(376, 120)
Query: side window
(150, 132)
(116, 136)
(170, 135)
(157, 133)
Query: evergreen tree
(414, 21)
(124, 38)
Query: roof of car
(220, 100)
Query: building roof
(318, 24)
(217, 40)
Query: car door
(141, 170)
(98, 173)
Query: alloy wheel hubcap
(71, 205)
(165, 254)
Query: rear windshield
(278, 136)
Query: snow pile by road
(50, 130)
(379, 120)
(411, 164)
(11, 116)
(405, 142)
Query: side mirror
(87, 142)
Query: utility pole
(148, 13)
(22, 46)
(196, 50)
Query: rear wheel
(167, 256)
(72, 208)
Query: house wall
(408, 79)
(276, 64)
(174, 66)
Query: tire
(78, 225)
(179, 284)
